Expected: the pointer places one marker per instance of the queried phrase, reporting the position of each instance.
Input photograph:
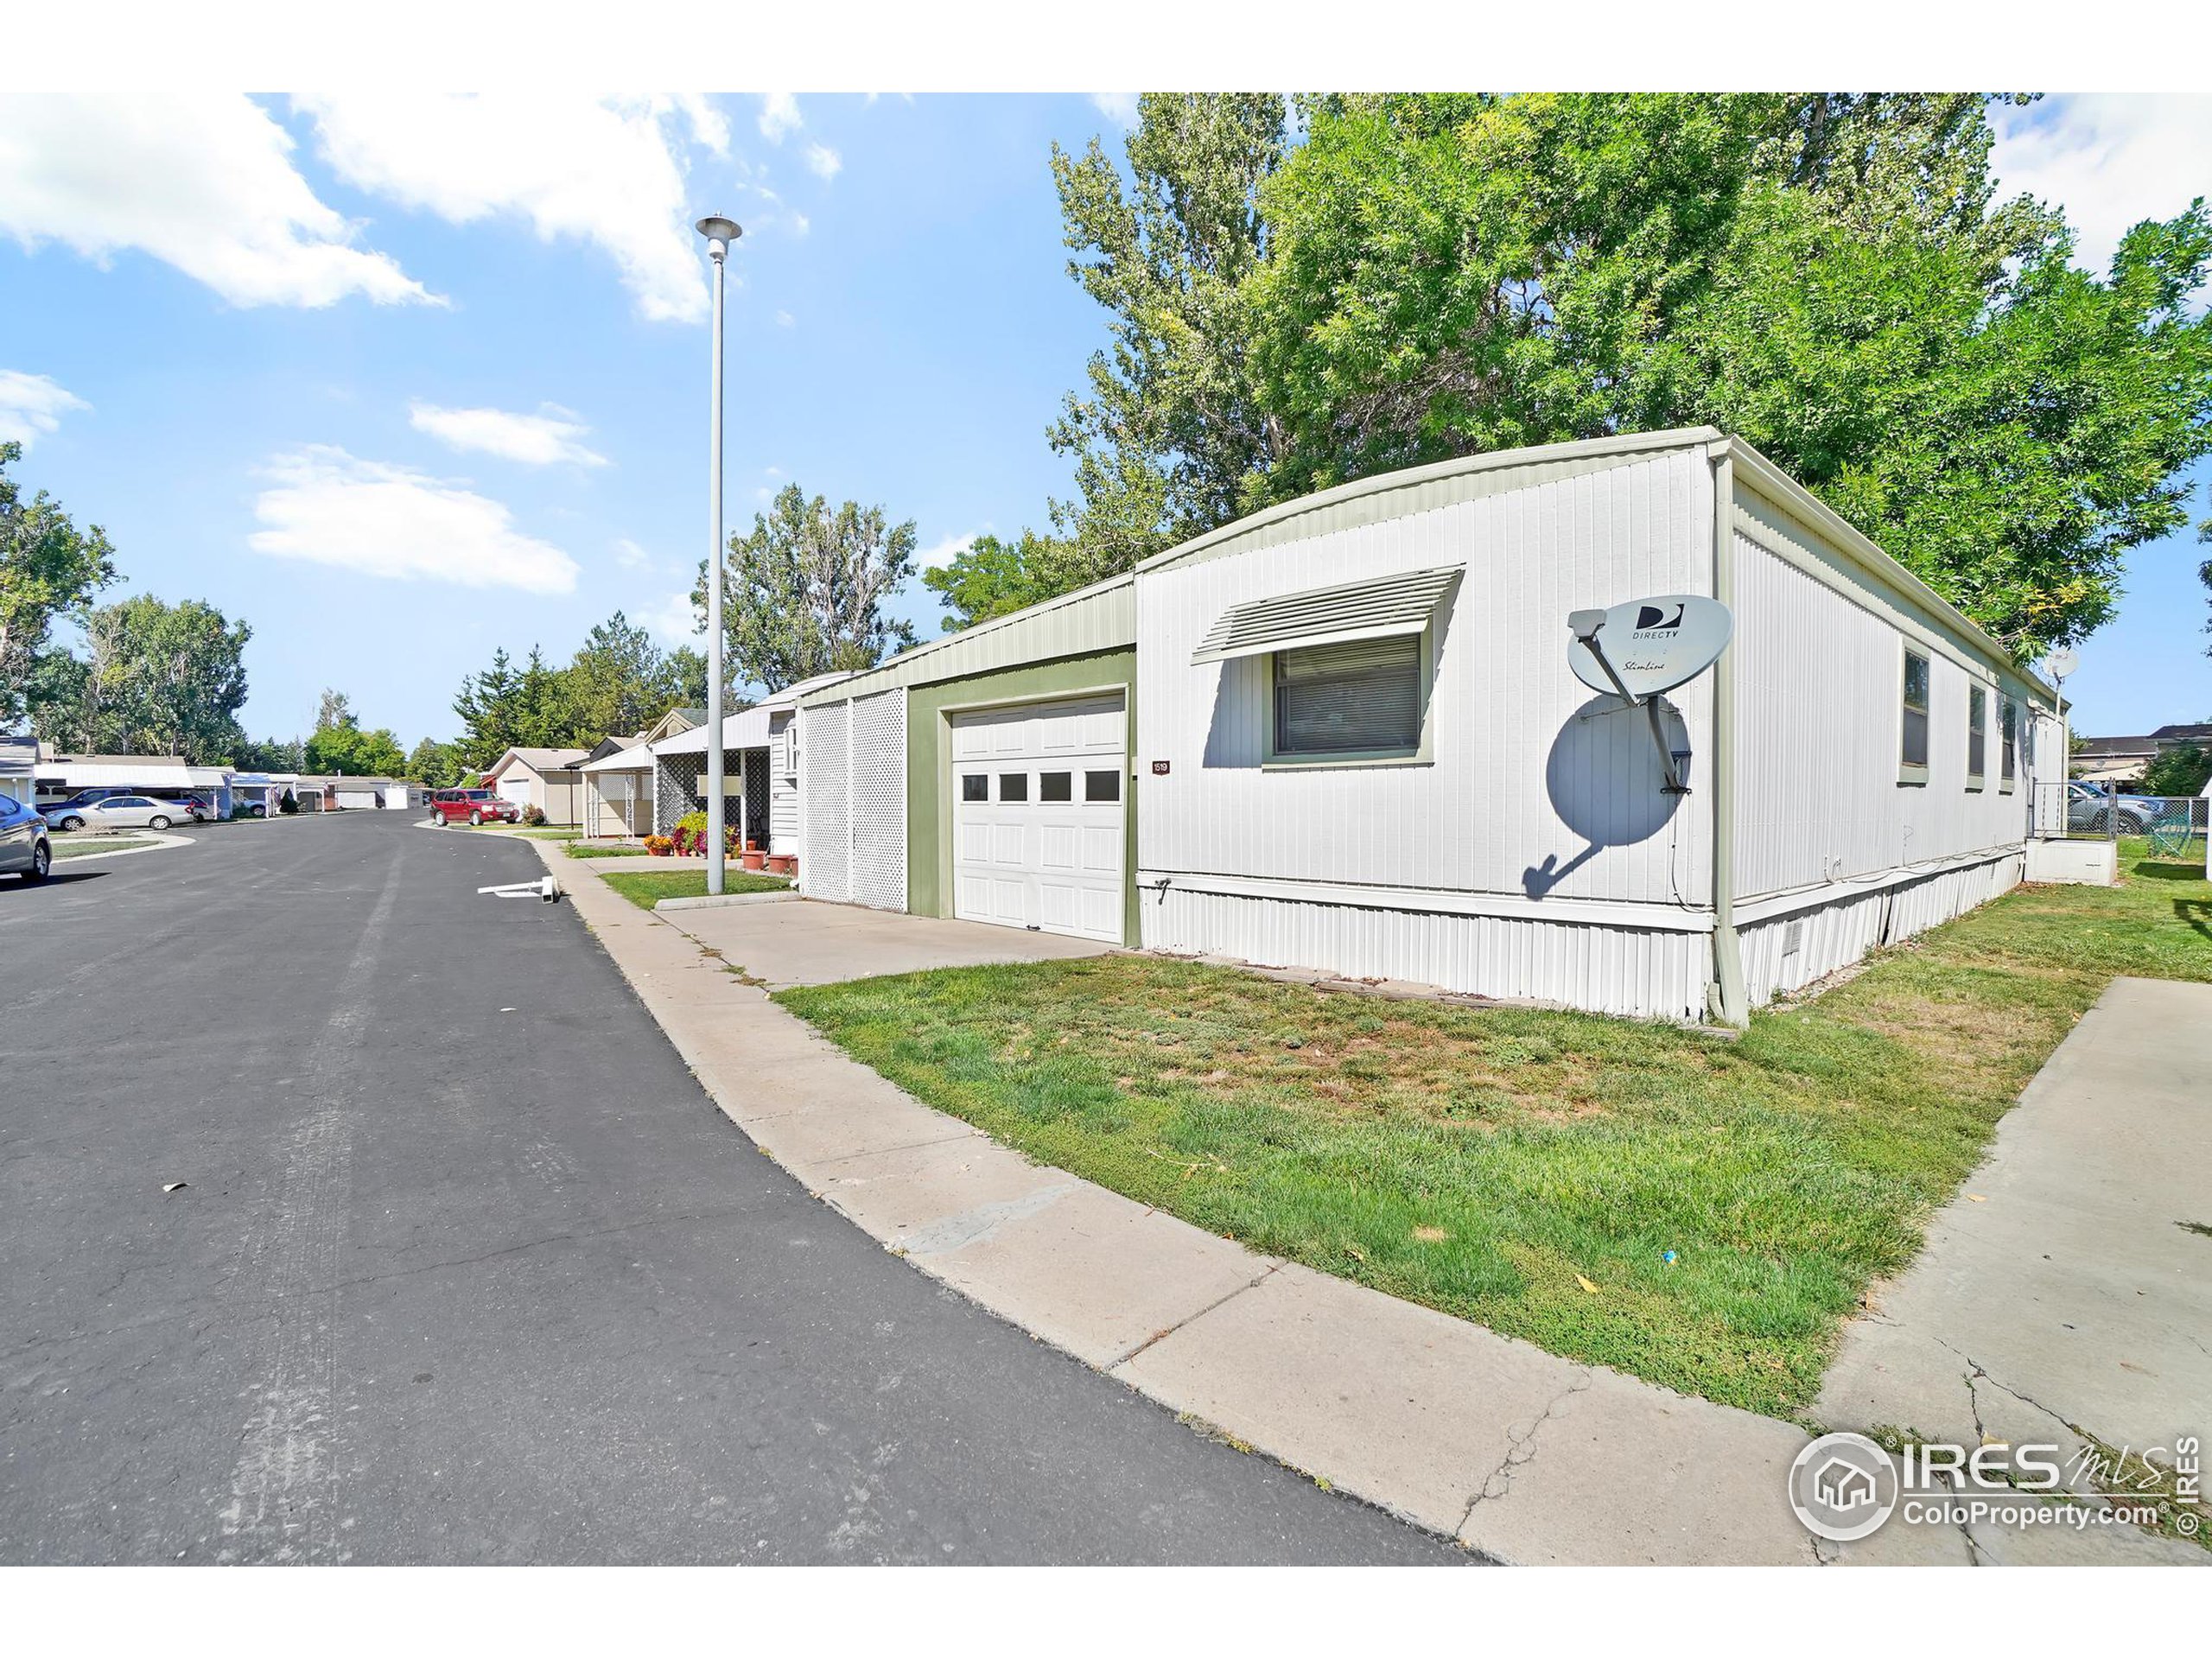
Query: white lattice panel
(878, 781)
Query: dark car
(472, 807)
(25, 846)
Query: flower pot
(783, 864)
(754, 858)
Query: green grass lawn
(580, 850)
(549, 835)
(1529, 1170)
(83, 846)
(646, 888)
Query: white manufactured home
(1345, 735)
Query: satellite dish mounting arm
(1585, 625)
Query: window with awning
(1383, 608)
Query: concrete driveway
(802, 942)
(2069, 1284)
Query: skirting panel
(1608, 969)
(826, 871)
(1791, 951)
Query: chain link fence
(2175, 825)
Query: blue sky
(400, 381)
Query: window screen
(2011, 738)
(1915, 710)
(1102, 785)
(1359, 698)
(1056, 786)
(1013, 785)
(1977, 731)
(974, 787)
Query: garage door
(1037, 816)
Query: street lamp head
(719, 233)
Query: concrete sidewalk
(1518, 1453)
(811, 944)
(2068, 1286)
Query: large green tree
(346, 749)
(621, 681)
(434, 764)
(802, 593)
(158, 679)
(48, 570)
(1828, 276)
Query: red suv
(472, 807)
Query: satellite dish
(2063, 662)
(1651, 644)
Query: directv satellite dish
(1635, 651)
(1650, 644)
(2063, 662)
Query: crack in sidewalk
(1521, 1451)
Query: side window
(1055, 785)
(1361, 699)
(1977, 735)
(974, 787)
(1013, 786)
(1102, 785)
(2011, 761)
(1912, 757)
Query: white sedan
(117, 812)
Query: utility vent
(1793, 935)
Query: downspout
(1732, 1003)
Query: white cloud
(936, 558)
(2110, 160)
(824, 162)
(201, 181)
(552, 434)
(672, 619)
(784, 320)
(780, 117)
(608, 172)
(328, 508)
(30, 404)
(1120, 108)
(629, 555)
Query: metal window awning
(1377, 609)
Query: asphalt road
(467, 1269)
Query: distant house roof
(18, 756)
(2117, 747)
(538, 760)
(141, 761)
(2189, 732)
(675, 721)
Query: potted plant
(753, 858)
(783, 864)
(659, 846)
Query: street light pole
(719, 233)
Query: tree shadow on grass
(2159, 870)
(2197, 912)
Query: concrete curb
(1514, 1452)
(159, 840)
(717, 900)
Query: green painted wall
(929, 765)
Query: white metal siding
(784, 827)
(825, 870)
(1817, 798)
(1511, 761)
(1637, 972)
(1792, 950)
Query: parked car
(2089, 807)
(81, 799)
(25, 846)
(194, 806)
(472, 807)
(116, 812)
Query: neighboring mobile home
(760, 781)
(1350, 741)
(545, 778)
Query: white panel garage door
(1037, 816)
